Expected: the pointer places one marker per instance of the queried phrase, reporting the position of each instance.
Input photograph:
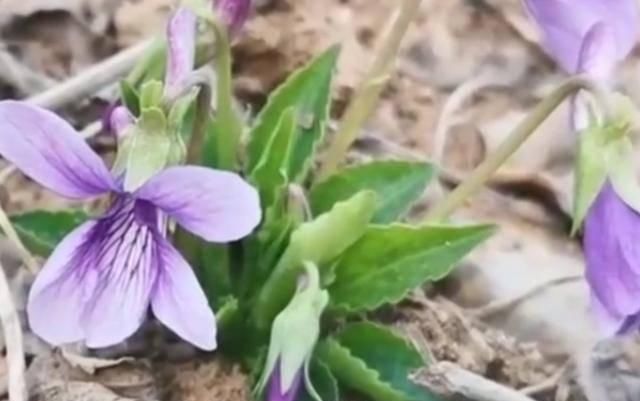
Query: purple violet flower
(592, 37)
(100, 281)
(567, 24)
(234, 13)
(588, 37)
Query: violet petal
(611, 324)
(597, 55)
(48, 150)
(234, 13)
(124, 258)
(565, 23)
(179, 302)
(181, 38)
(217, 205)
(98, 280)
(277, 393)
(119, 120)
(612, 255)
(56, 298)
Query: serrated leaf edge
(274, 95)
(374, 374)
(348, 308)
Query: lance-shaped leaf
(41, 230)
(308, 92)
(389, 261)
(270, 174)
(397, 183)
(319, 241)
(392, 356)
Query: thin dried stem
(12, 235)
(454, 382)
(93, 78)
(368, 93)
(516, 138)
(502, 305)
(13, 338)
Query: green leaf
(308, 91)
(319, 241)
(391, 355)
(323, 381)
(389, 261)
(354, 373)
(130, 97)
(591, 171)
(41, 231)
(397, 183)
(270, 175)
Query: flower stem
(228, 124)
(199, 130)
(12, 235)
(368, 93)
(518, 136)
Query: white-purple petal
(97, 284)
(218, 206)
(48, 150)
(57, 296)
(597, 56)
(181, 39)
(179, 302)
(126, 264)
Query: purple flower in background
(592, 37)
(234, 13)
(586, 37)
(100, 281)
(576, 32)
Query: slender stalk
(368, 93)
(518, 136)
(229, 124)
(199, 130)
(12, 332)
(92, 79)
(10, 232)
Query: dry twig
(92, 79)
(502, 305)
(13, 338)
(452, 381)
